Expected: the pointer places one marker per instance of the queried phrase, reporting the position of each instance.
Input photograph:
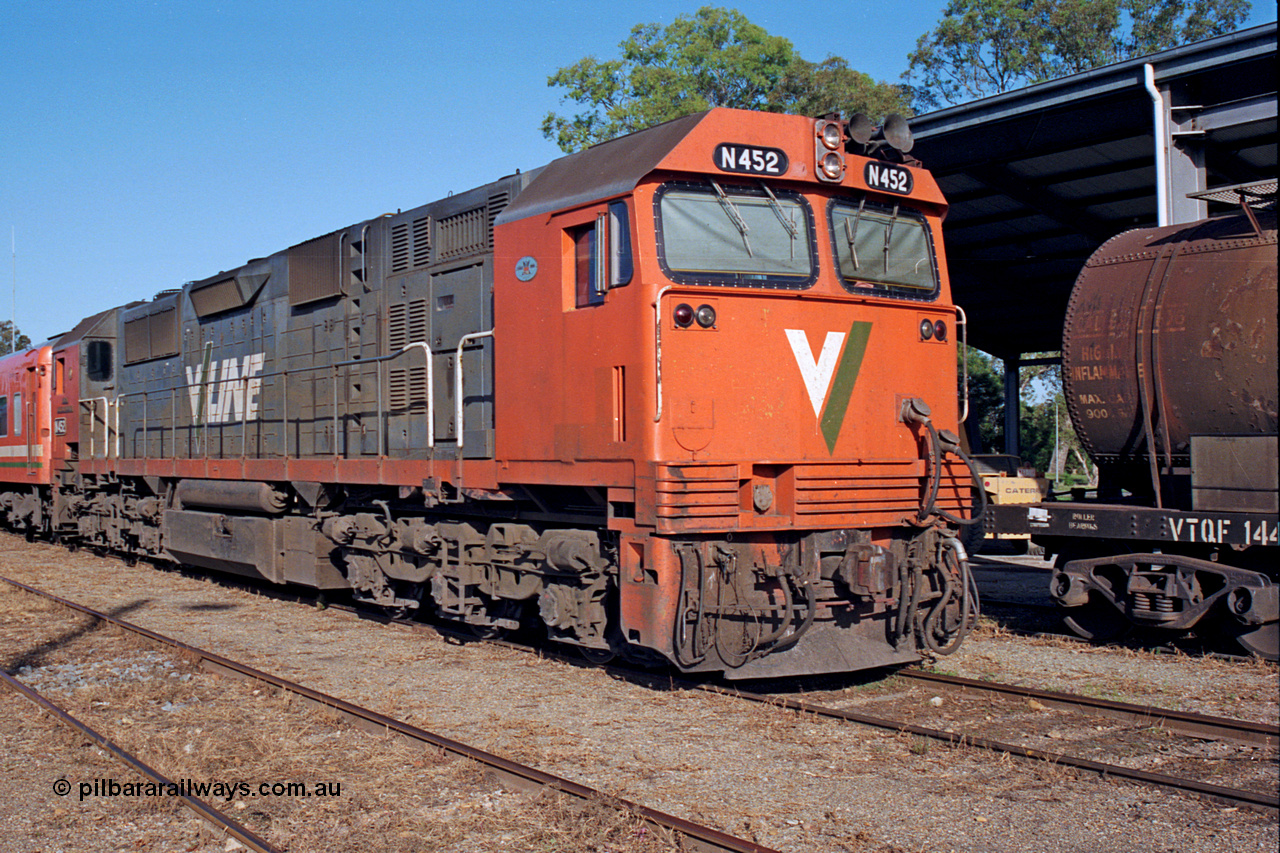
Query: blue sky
(145, 144)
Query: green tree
(1042, 412)
(716, 58)
(7, 342)
(985, 424)
(984, 47)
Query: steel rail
(1232, 796)
(698, 837)
(1181, 722)
(202, 810)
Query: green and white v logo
(830, 408)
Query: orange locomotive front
(743, 333)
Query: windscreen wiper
(851, 233)
(782, 217)
(731, 210)
(888, 231)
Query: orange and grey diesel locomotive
(689, 395)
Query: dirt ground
(785, 779)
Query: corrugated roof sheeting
(1039, 178)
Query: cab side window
(98, 356)
(602, 257)
(17, 414)
(4, 417)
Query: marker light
(940, 330)
(926, 329)
(683, 315)
(706, 316)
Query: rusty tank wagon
(1169, 372)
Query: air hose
(915, 410)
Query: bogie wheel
(1227, 635)
(599, 657)
(1261, 640)
(1097, 621)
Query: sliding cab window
(735, 235)
(4, 417)
(596, 272)
(883, 249)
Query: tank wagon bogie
(689, 395)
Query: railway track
(1178, 722)
(1238, 797)
(694, 836)
(1144, 716)
(1191, 725)
(199, 807)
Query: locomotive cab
(740, 385)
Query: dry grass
(395, 796)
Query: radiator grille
(406, 324)
(877, 493)
(421, 241)
(400, 244)
(463, 234)
(411, 245)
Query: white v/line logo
(816, 373)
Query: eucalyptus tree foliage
(713, 58)
(984, 47)
(7, 341)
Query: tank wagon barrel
(689, 396)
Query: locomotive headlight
(832, 136)
(926, 329)
(683, 315)
(940, 330)
(706, 316)
(833, 166)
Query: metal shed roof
(1040, 177)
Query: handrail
(92, 402)
(284, 374)
(962, 321)
(657, 335)
(457, 381)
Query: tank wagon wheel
(1263, 640)
(1097, 621)
(1228, 636)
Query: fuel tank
(1171, 332)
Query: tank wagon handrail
(457, 379)
(284, 374)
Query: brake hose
(915, 410)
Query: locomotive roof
(608, 169)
